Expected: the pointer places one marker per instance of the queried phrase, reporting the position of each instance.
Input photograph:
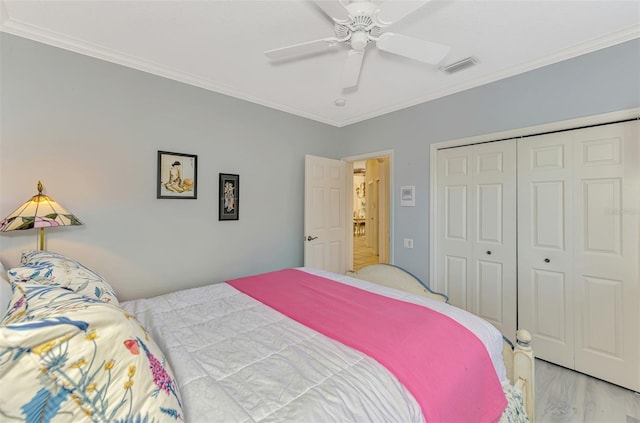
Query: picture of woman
(229, 197)
(175, 178)
(177, 175)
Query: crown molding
(25, 30)
(627, 34)
(31, 32)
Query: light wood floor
(362, 255)
(563, 395)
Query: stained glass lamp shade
(41, 211)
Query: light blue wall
(90, 130)
(604, 81)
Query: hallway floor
(362, 255)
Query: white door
(545, 245)
(606, 227)
(494, 272)
(454, 234)
(579, 223)
(476, 230)
(325, 223)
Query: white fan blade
(391, 11)
(352, 66)
(334, 8)
(413, 48)
(301, 49)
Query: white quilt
(237, 360)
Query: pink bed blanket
(445, 366)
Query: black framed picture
(177, 175)
(229, 192)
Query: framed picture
(408, 196)
(229, 197)
(177, 175)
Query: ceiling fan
(359, 23)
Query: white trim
(10, 26)
(348, 216)
(433, 244)
(366, 156)
(626, 34)
(633, 113)
(99, 52)
(374, 155)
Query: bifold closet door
(578, 249)
(606, 225)
(476, 230)
(545, 245)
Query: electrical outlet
(408, 243)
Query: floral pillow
(5, 289)
(27, 256)
(66, 357)
(47, 268)
(17, 306)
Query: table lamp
(40, 211)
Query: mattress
(236, 359)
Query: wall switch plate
(408, 243)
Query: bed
(217, 353)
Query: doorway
(371, 211)
(329, 217)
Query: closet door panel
(493, 284)
(455, 277)
(547, 215)
(602, 315)
(601, 224)
(489, 213)
(549, 299)
(490, 287)
(476, 231)
(454, 224)
(606, 252)
(456, 212)
(545, 270)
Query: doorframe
(349, 202)
(633, 113)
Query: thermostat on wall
(408, 196)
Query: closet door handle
(547, 260)
(489, 252)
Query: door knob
(311, 238)
(489, 252)
(547, 260)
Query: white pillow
(5, 290)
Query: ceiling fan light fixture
(359, 40)
(460, 65)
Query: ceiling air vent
(460, 65)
